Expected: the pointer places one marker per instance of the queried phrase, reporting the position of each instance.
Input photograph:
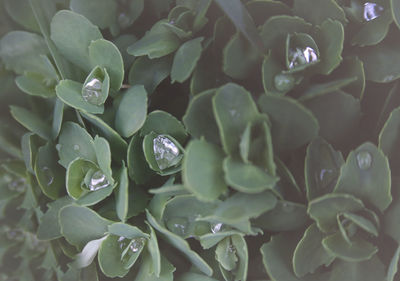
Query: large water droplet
(372, 11)
(76, 147)
(18, 185)
(98, 181)
(216, 227)
(284, 82)
(325, 177)
(123, 242)
(166, 152)
(178, 225)
(48, 174)
(364, 160)
(300, 56)
(92, 92)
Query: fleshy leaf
(185, 60)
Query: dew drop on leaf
(166, 152)
(48, 174)
(364, 160)
(372, 11)
(300, 56)
(18, 185)
(283, 82)
(76, 147)
(98, 181)
(178, 225)
(91, 92)
(216, 227)
(325, 177)
(137, 244)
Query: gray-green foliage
(199, 140)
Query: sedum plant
(199, 140)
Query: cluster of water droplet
(98, 181)
(166, 152)
(92, 92)
(301, 56)
(17, 184)
(372, 11)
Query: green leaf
(326, 88)
(247, 178)
(239, 57)
(126, 230)
(89, 252)
(181, 245)
(146, 270)
(34, 86)
(58, 115)
(21, 12)
(325, 208)
(225, 254)
(72, 34)
(373, 32)
(382, 61)
(49, 226)
(75, 142)
(122, 194)
(370, 270)
(395, 8)
(162, 122)
(149, 72)
(358, 250)
(109, 258)
(49, 174)
(202, 172)
(329, 38)
(390, 226)
(91, 226)
(138, 168)
(31, 121)
(286, 216)
(156, 43)
(233, 108)
(23, 51)
(392, 270)
(260, 10)
(289, 131)
(101, 13)
(132, 111)
(117, 143)
(185, 60)
(309, 254)
(103, 156)
(29, 147)
(70, 92)
(322, 168)
(240, 17)
(321, 10)
(335, 125)
(76, 172)
(199, 118)
(366, 174)
(152, 246)
(389, 138)
(275, 30)
(106, 55)
(236, 209)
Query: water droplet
(216, 227)
(48, 175)
(178, 225)
(58, 147)
(231, 249)
(124, 20)
(302, 56)
(76, 147)
(18, 185)
(16, 235)
(98, 181)
(92, 92)
(123, 242)
(166, 152)
(388, 78)
(364, 160)
(325, 177)
(137, 244)
(372, 11)
(284, 82)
